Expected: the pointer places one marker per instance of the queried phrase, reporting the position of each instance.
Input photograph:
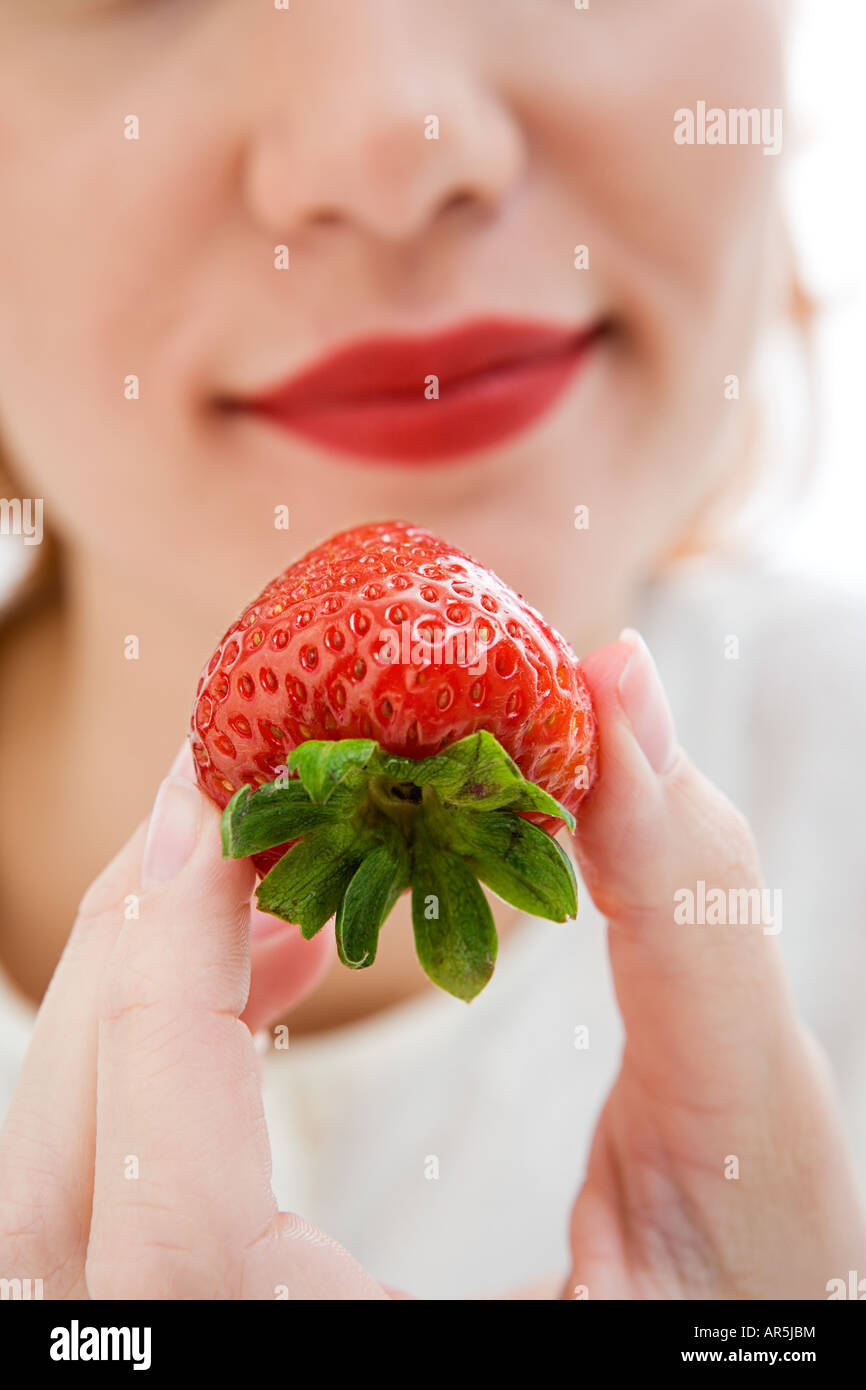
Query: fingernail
(643, 699)
(172, 832)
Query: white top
(444, 1143)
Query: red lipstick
(420, 400)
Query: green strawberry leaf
(455, 936)
(529, 797)
(443, 823)
(402, 769)
(520, 862)
(307, 885)
(457, 765)
(445, 771)
(322, 765)
(377, 884)
(272, 814)
(492, 779)
(476, 773)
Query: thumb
(652, 837)
(284, 968)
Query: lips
(425, 399)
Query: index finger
(702, 1003)
(182, 1171)
(47, 1142)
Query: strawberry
(387, 715)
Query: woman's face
(156, 258)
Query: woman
(204, 202)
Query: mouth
(423, 400)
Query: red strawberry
(386, 641)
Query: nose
(380, 134)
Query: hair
(721, 525)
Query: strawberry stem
(366, 825)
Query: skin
(155, 257)
(716, 1063)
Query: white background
(825, 136)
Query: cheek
(671, 228)
(677, 234)
(94, 278)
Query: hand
(142, 1051)
(719, 1076)
(134, 1160)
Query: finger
(47, 1143)
(717, 1066)
(182, 1159)
(285, 969)
(295, 1260)
(706, 1006)
(184, 763)
(183, 1206)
